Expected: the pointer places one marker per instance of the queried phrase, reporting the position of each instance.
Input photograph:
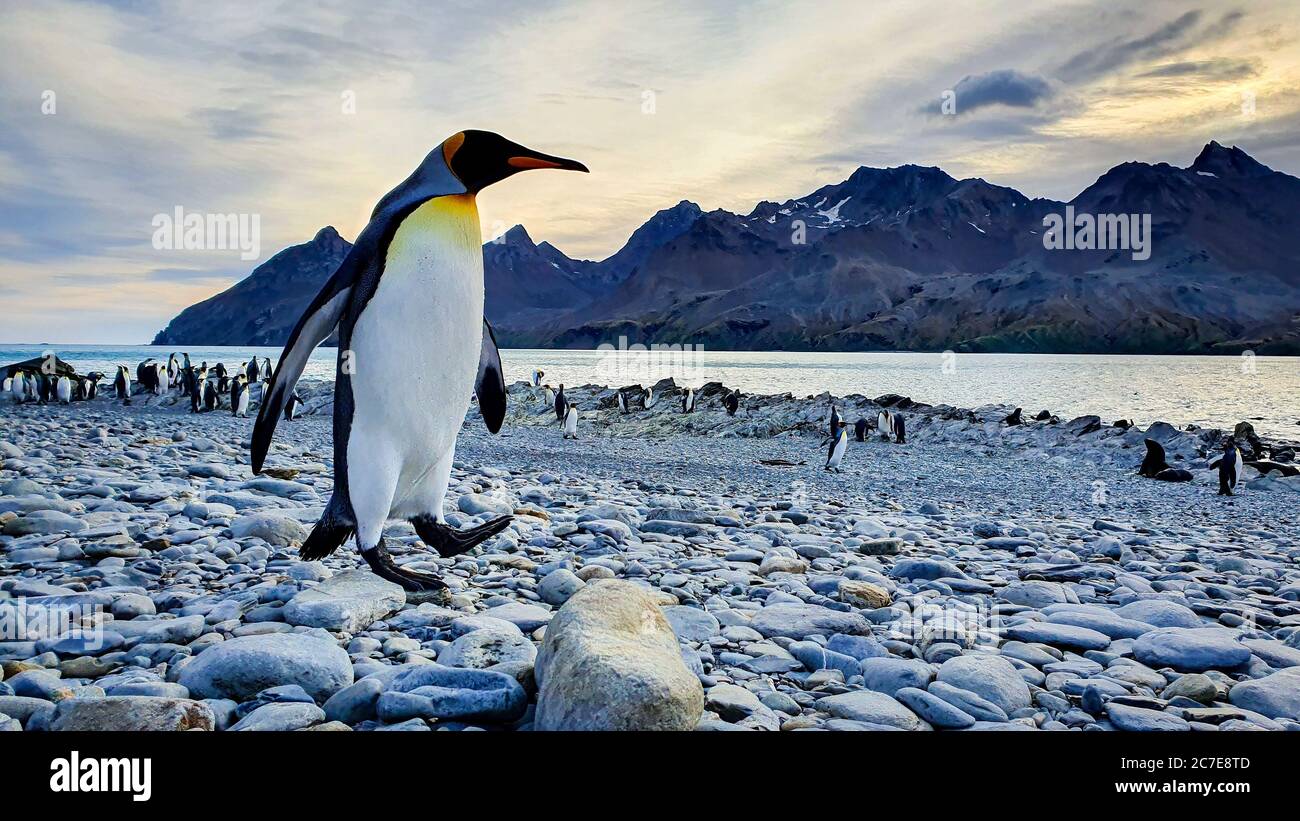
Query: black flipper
(448, 541)
(313, 328)
(325, 538)
(491, 383)
(382, 565)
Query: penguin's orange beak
(532, 160)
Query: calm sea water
(1216, 391)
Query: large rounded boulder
(610, 661)
(240, 668)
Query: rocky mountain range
(904, 258)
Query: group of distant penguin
(1229, 463)
(889, 425)
(204, 386)
(566, 412)
(46, 389)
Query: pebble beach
(663, 571)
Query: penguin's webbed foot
(448, 541)
(381, 563)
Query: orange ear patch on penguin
(451, 145)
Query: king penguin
(538, 373)
(1229, 468)
(622, 402)
(239, 396)
(731, 402)
(548, 396)
(836, 422)
(860, 430)
(561, 405)
(122, 384)
(64, 390)
(211, 399)
(293, 407)
(838, 445)
(688, 401)
(571, 422)
(408, 304)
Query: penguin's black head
(481, 158)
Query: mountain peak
(1220, 161)
(325, 235)
(517, 235)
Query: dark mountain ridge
(905, 258)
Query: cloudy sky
(244, 108)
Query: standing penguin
(561, 405)
(860, 430)
(211, 399)
(266, 369)
(223, 377)
(18, 386)
(537, 377)
(548, 396)
(44, 388)
(122, 384)
(239, 396)
(1229, 468)
(836, 423)
(731, 402)
(173, 370)
(838, 446)
(649, 399)
(571, 422)
(622, 402)
(407, 299)
(688, 401)
(144, 374)
(64, 390)
(293, 407)
(884, 424)
(190, 381)
(90, 387)
(900, 429)
(253, 370)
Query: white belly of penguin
(415, 348)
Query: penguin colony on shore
(207, 387)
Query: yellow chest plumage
(447, 223)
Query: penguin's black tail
(325, 538)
